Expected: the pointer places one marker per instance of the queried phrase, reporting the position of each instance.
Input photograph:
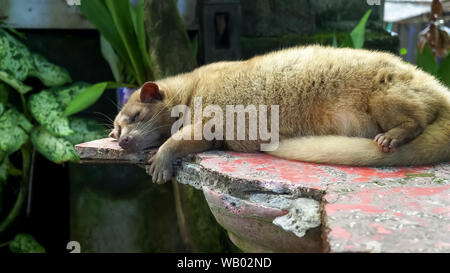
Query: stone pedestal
(268, 204)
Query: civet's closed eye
(135, 117)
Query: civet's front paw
(161, 168)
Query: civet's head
(144, 120)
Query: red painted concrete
(364, 209)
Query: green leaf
(116, 65)
(89, 95)
(85, 98)
(444, 71)
(65, 94)
(98, 14)
(426, 60)
(358, 32)
(14, 83)
(49, 74)
(55, 149)
(120, 13)
(19, 120)
(25, 243)
(138, 16)
(14, 129)
(15, 58)
(46, 109)
(17, 63)
(85, 130)
(2, 108)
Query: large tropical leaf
(14, 130)
(48, 106)
(15, 58)
(14, 83)
(55, 149)
(48, 112)
(99, 15)
(138, 16)
(89, 95)
(49, 74)
(116, 65)
(120, 13)
(25, 243)
(85, 98)
(65, 94)
(426, 60)
(17, 63)
(85, 130)
(358, 32)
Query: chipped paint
(332, 208)
(303, 215)
(365, 174)
(339, 232)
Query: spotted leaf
(55, 149)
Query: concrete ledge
(269, 204)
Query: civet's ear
(150, 92)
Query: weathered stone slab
(361, 209)
(108, 149)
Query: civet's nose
(125, 142)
